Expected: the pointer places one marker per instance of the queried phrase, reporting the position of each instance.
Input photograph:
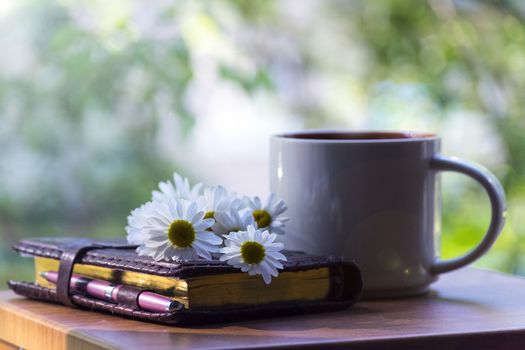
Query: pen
(105, 290)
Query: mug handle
(497, 200)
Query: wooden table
(468, 309)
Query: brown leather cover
(346, 283)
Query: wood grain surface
(6, 346)
(467, 309)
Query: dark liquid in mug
(333, 135)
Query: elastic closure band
(70, 256)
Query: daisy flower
(268, 215)
(137, 219)
(253, 251)
(177, 230)
(179, 188)
(216, 200)
(233, 220)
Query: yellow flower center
(181, 233)
(262, 218)
(252, 252)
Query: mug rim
(393, 136)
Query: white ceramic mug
(374, 197)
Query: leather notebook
(203, 289)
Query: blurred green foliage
(85, 87)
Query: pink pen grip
(121, 294)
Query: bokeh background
(100, 100)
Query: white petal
(257, 202)
(207, 246)
(191, 211)
(269, 201)
(153, 236)
(170, 252)
(271, 260)
(159, 253)
(143, 250)
(209, 237)
(158, 221)
(251, 231)
(224, 257)
(266, 238)
(229, 249)
(224, 219)
(234, 238)
(198, 216)
(163, 216)
(275, 247)
(154, 244)
(276, 255)
(281, 219)
(185, 254)
(231, 255)
(279, 208)
(203, 253)
(178, 208)
(257, 236)
(277, 223)
(267, 278)
(208, 222)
